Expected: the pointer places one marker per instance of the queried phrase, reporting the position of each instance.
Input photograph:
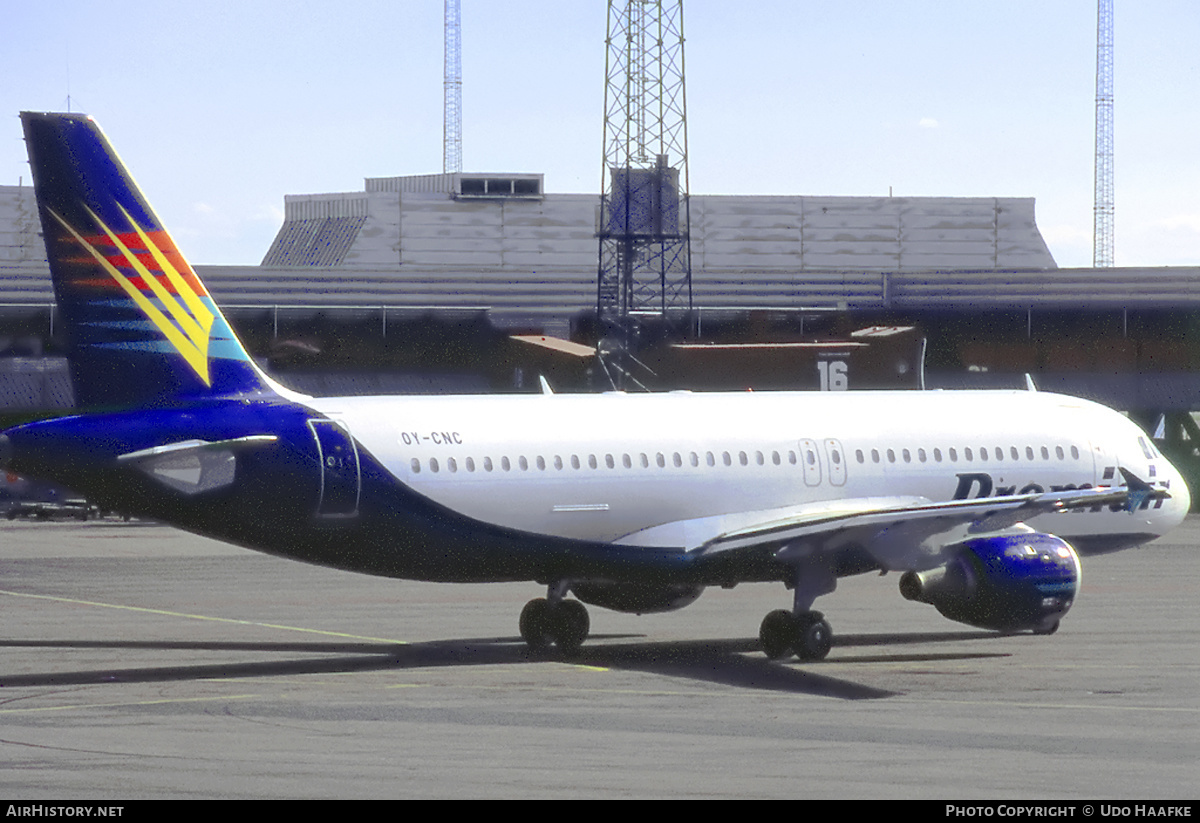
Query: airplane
(980, 501)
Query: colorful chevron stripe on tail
(142, 328)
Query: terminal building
(499, 243)
(487, 255)
(421, 283)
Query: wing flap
(899, 533)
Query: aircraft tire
(777, 634)
(535, 624)
(570, 625)
(814, 637)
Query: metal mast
(645, 258)
(1102, 235)
(452, 117)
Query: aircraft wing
(900, 533)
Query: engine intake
(1006, 583)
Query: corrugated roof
(321, 242)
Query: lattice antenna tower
(1102, 232)
(452, 116)
(645, 256)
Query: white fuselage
(603, 467)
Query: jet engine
(1007, 583)
(637, 598)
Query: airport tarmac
(137, 661)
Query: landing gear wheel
(807, 634)
(565, 624)
(814, 637)
(777, 633)
(571, 625)
(535, 623)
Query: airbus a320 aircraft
(982, 502)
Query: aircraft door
(836, 457)
(810, 458)
(341, 480)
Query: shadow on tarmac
(736, 663)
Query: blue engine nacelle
(1008, 583)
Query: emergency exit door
(341, 480)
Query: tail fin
(142, 328)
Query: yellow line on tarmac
(68, 707)
(201, 617)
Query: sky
(222, 107)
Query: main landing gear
(807, 634)
(801, 630)
(554, 620)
